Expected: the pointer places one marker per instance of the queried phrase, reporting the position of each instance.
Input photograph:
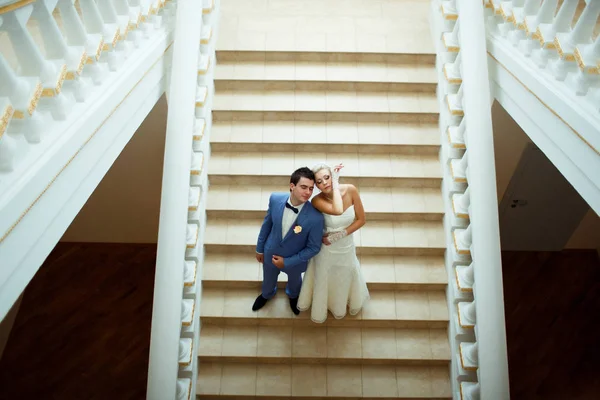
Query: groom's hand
(278, 262)
(260, 257)
(326, 241)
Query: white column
(488, 288)
(168, 290)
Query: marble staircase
(276, 110)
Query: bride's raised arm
(336, 206)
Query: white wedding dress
(333, 280)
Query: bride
(333, 280)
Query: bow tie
(294, 209)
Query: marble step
(242, 271)
(342, 116)
(306, 136)
(370, 73)
(375, 170)
(270, 84)
(323, 345)
(225, 56)
(380, 204)
(385, 309)
(326, 101)
(320, 382)
(410, 238)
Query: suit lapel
(299, 220)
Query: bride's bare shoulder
(348, 188)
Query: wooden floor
(83, 329)
(552, 306)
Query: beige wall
(509, 142)
(124, 208)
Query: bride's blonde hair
(321, 166)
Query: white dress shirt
(289, 217)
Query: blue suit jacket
(295, 248)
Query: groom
(290, 236)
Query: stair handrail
(476, 300)
(169, 276)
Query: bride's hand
(335, 178)
(338, 168)
(326, 241)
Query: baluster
(458, 168)
(465, 277)
(94, 27)
(461, 203)
(33, 63)
(104, 15)
(58, 49)
(31, 60)
(148, 16)
(470, 390)
(469, 355)
(508, 18)
(450, 39)
(7, 144)
(455, 103)
(452, 73)
(94, 24)
(530, 8)
(589, 69)
(466, 314)
(463, 240)
(544, 15)
(134, 10)
(77, 35)
(546, 33)
(128, 17)
(23, 92)
(567, 42)
(456, 135)
(448, 9)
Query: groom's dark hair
(303, 172)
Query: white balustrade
(61, 54)
(479, 366)
(557, 43)
(180, 256)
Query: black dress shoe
(259, 303)
(294, 306)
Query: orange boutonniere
(297, 229)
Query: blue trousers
(269, 285)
